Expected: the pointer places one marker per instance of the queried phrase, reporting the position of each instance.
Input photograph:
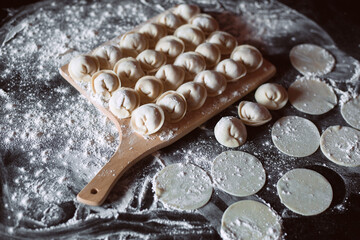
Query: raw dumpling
(123, 102)
(249, 56)
(192, 62)
(230, 132)
(210, 52)
(170, 20)
(191, 35)
(108, 55)
(81, 68)
(172, 76)
(134, 41)
(128, 71)
(232, 70)
(186, 11)
(151, 60)
(171, 46)
(194, 93)
(153, 32)
(214, 82)
(205, 22)
(225, 41)
(105, 82)
(271, 95)
(174, 106)
(149, 89)
(253, 114)
(147, 119)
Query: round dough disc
(305, 191)
(312, 96)
(310, 59)
(341, 145)
(350, 111)
(250, 220)
(183, 186)
(238, 173)
(295, 136)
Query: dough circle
(305, 191)
(271, 95)
(238, 173)
(147, 119)
(341, 145)
(253, 114)
(295, 136)
(312, 96)
(183, 186)
(350, 111)
(250, 220)
(230, 132)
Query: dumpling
(192, 62)
(81, 68)
(134, 41)
(191, 35)
(149, 89)
(171, 46)
(153, 32)
(108, 55)
(174, 106)
(151, 60)
(230, 132)
(123, 102)
(253, 114)
(205, 22)
(225, 41)
(210, 52)
(186, 11)
(271, 95)
(147, 119)
(128, 71)
(105, 82)
(232, 70)
(172, 76)
(170, 20)
(214, 82)
(194, 93)
(248, 55)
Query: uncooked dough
(205, 22)
(170, 20)
(225, 41)
(171, 46)
(186, 11)
(310, 59)
(295, 136)
(153, 32)
(214, 82)
(108, 55)
(172, 76)
(250, 220)
(105, 82)
(253, 114)
(183, 186)
(271, 95)
(341, 145)
(123, 102)
(82, 67)
(149, 89)
(210, 52)
(192, 36)
(194, 93)
(134, 41)
(151, 60)
(147, 119)
(192, 62)
(230, 132)
(174, 106)
(350, 111)
(128, 71)
(232, 70)
(248, 55)
(312, 96)
(304, 191)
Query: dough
(134, 41)
(271, 95)
(312, 96)
(249, 56)
(210, 52)
(205, 22)
(171, 46)
(123, 102)
(82, 67)
(174, 106)
(147, 119)
(108, 55)
(304, 191)
(149, 89)
(128, 71)
(350, 111)
(341, 145)
(253, 114)
(151, 60)
(170, 20)
(225, 41)
(172, 76)
(186, 11)
(295, 136)
(105, 82)
(310, 59)
(153, 32)
(192, 36)
(183, 186)
(194, 93)
(250, 220)
(230, 132)
(232, 70)
(192, 62)
(214, 82)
